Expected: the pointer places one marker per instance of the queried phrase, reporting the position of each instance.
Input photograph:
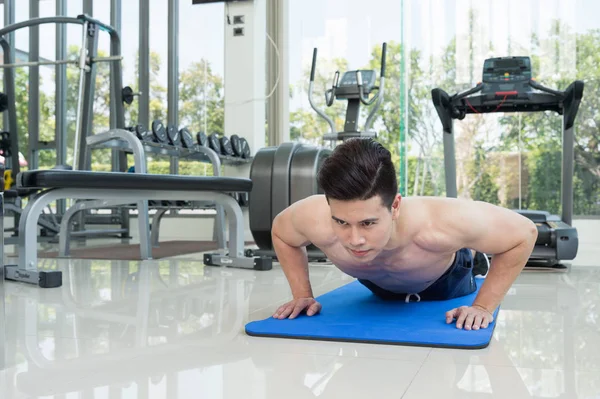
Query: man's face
(363, 227)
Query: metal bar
(89, 91)
(9, 18)
(60, 135)
(88, 7)
(38, 63)
(59, 62)
(39, 21)
(155, 232)
(115, 21)
(116, 74)
(173, 73)
(567, 174)
(2, 297)
(110, 29)
(403, 167)
(28, 223)
(173, 64)
(450, 163)
(77, 154)
(144, 64)
(132, 142)
(118, 158)
(11, 114)
(98, 232)
(278, 71)
(33, 118)
(107, 59)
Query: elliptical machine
(287, 173)
(355, 87)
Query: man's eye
(367, 224)
(340, 222)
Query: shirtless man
(418, 248)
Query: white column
(245, 74)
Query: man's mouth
(359, 253)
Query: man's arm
(290, 245)
(505, 234)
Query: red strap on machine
(507, 93)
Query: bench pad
(43, 179)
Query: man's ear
(396, 206)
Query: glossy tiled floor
(175, 329)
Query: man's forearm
(504, 270)
(294, 262)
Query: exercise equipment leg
(64, 238)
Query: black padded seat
(46, 179)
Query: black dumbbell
(186, 138)
(245, 148)
(202, 139)
(159, 132)
(214, 143)
(174, 136)
(236, 144)
(138, 130)
(226, 147)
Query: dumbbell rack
(123, 140)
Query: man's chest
(409, 270)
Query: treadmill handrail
(460, 96)
(543, 88)
(555, 100)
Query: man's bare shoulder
(432, 221)
(456, 223)
(311, 217)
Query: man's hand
(469, 317)
(295, 307)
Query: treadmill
(508, 86)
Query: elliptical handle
(311, 101)
(314, 65)
(380, 93)
(383, 56)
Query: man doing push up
(417, 248)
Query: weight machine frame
(87, 64)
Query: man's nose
(356, 238)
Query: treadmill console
(348, 85)
(506, 74)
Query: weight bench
(128, 188)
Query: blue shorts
(457, 281)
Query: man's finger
(469, 321)
(297, 309)
(314, 309)
(477, 322)
(279, 310)
(286, 311)
(485, 323)
(462, 315)
(450, 315)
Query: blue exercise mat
(352, 313)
